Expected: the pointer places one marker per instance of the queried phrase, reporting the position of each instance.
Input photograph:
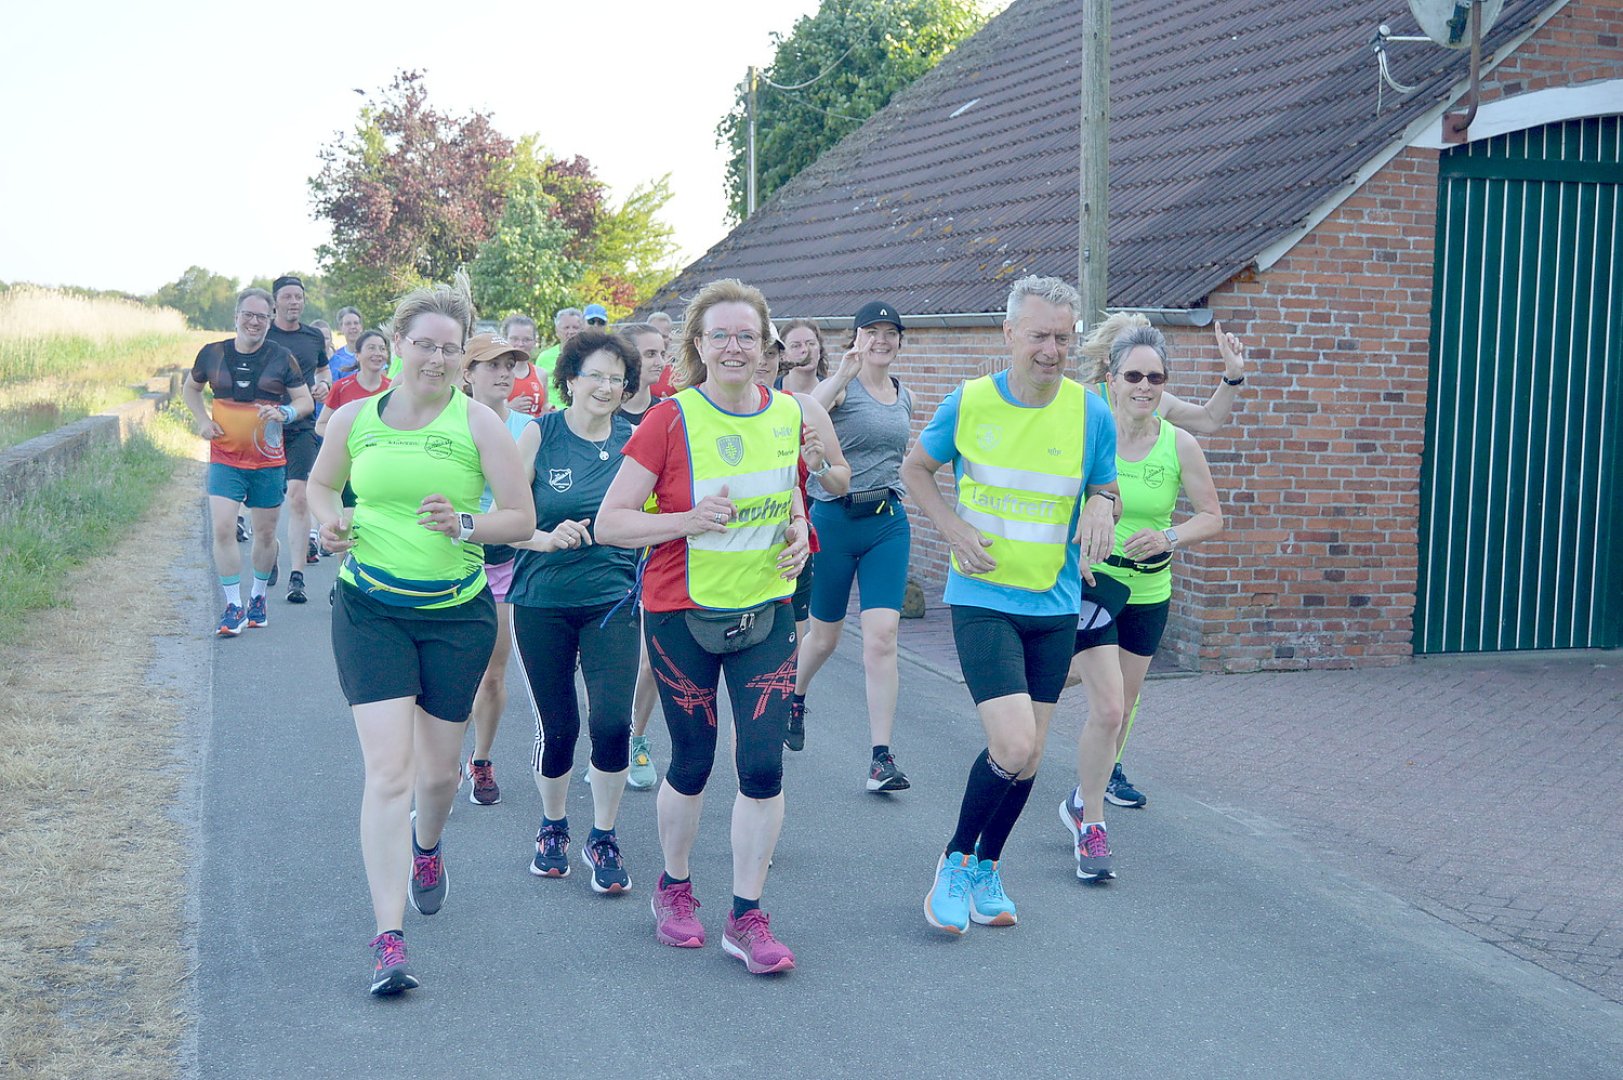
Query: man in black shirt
(309, 347)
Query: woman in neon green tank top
(1155, 460)
(413, 619)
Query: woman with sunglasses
(414, 622)
(1121, 624)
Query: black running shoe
(312, 554)
(295, 587)
(243, 535)
(551, 852)
(1119, 792)
(390, 975)
(602, 858)
(883, 775)
(795, 739)
(276, 572)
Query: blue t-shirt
(939, 441)
(343, 363)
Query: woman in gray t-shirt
(864, 535)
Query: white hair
(1050, 289)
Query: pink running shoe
(750, 939)
(674, 920)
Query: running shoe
(232, 622)
(883, 775)
(989, 905)
(312, 554)
(295, 587)
(1121, 792)
(750, 939)
(674, 920)
(795, 738)
(390, 975)
(428, 883)
(947, 905)
(1092, 848)
(276, 572)
(642, 775)
(484, 791)
(244, 534)
(551, 852)
(257, 615)
(602, 858)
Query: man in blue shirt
(1034, 455)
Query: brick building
(1417, 462)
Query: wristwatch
(819, 471)
(1233, 382)
(467, 526)
(1172, 537)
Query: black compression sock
(988, 783)
(742, 906)
(997, 830)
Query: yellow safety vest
(755, 458)
(1021, 479)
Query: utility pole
(749, 113)
(1093, 243)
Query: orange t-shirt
(532, 385)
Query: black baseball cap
(874, 312)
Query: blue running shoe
(1120, 791)
(947, 905)
(989, 905)
(257, 615)
(232, 622)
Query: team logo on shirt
(731, 448)
(1154, 475)
(561, 479)
(437, 446)
(987, 436)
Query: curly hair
(578, 349)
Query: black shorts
(801, 601)
(1137, 629)
(436, 655)
(299, 444)
(1002, 654)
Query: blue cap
(597, 311)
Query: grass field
(64, 357)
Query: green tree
(208, 300)
(870, 50)
(525, 267)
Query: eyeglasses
(747, 340)
(601, 379)
(252, 316)
(1155, 378)
(450, 352)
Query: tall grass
(63, 357)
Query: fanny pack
(863, 504)
(387, 588)
(721, 632)
(1159, 563)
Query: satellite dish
(1448, 22)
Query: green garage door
(1519, 515)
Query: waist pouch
(721, 632)
(1155, 565)
(386, 588)
(866, 504)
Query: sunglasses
(1156, 378)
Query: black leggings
(759, 682)
(549, 642)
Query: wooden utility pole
(749, 111)
(1093, 241)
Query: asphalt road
(1223, 950)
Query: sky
(145, 138)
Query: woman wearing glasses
(729, 538)
(413, 621)
(1121, 624)
(572, 603)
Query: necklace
(602, 447)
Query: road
(1222, 950)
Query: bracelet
(289, 413)
(1233, 382)
(820, 471)
(1104, 494)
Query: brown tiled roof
(1231, 120)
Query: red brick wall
(1319, 467)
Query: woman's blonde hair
(1095, 347)
(689, 365)
(454, 301)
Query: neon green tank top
(1149, 492)
(392, 471)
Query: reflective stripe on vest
(1022, 477)
(755, 459)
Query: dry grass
(92, 900)
(28, 311)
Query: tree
(409, 196)
(526, 267)
(208, 300)
(870, 50)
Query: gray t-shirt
(571, 478)
(873, 436)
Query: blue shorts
(872, 550)
(259, 489)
